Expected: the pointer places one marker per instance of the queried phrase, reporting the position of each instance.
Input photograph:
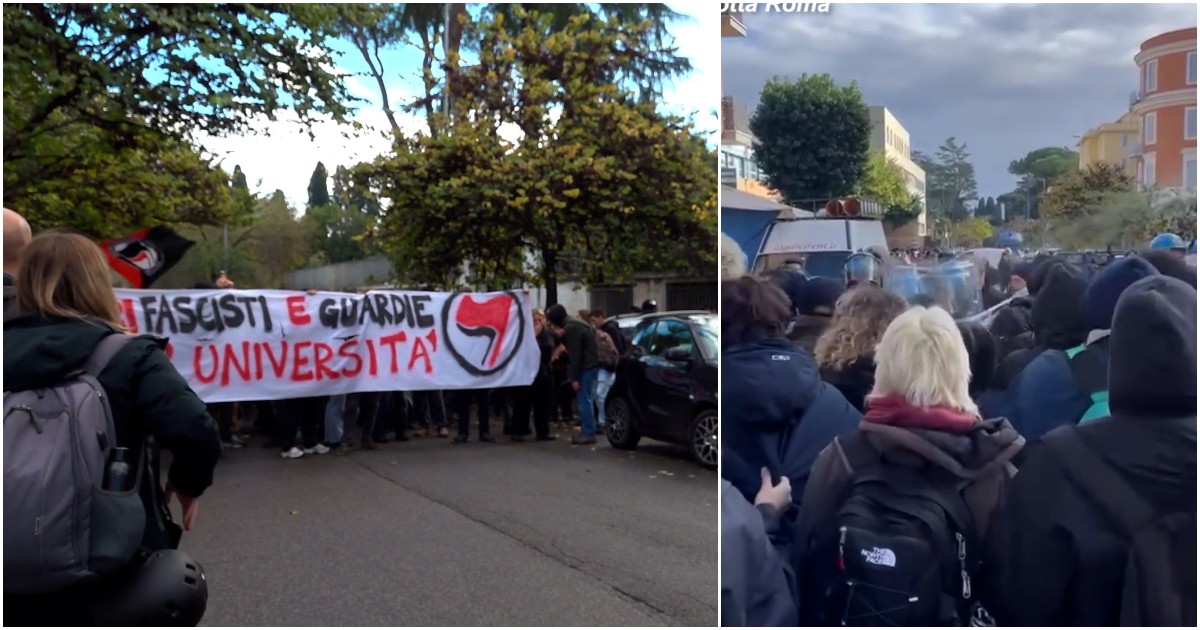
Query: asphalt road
(430, 533)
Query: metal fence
(691, 296)
(613, 300)
(347, 276)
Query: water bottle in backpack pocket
(61, 526)
(903, 553)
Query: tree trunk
(550, 276)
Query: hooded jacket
(1055, 559)
(1046, 394)
(757, 585)
(982, 454)
(780, 414)
(1057, 325)
(145, 392)
(10, 297)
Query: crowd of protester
(61, 317)
(885, 463)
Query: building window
(1189, 123)
(1124, 140)
(1151, 82)
(1149, 170)
(1191, 68)
(1189, 170)
(1150, 128)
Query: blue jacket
(757, 585)
(778, 413)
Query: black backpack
(904, 551)
(1159, 585)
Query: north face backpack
(904, 552)
(606, 350)
(1159, 586)
(1091, 373)
(60, 526)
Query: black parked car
(630, 323)
(666, 387)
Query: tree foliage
(1128, 220)
(594, 174)
(884, 182)
(318, 187)
(812, 137)
(970, 232)
(1079, 193)
(1039, 170)
(949, 180)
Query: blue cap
(1167, 241)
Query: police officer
(863, 267)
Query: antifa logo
(138, 254)
(475, 332)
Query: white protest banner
(234, 345)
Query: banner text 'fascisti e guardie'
(235, 345)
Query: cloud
(1004, 78)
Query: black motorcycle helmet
(649, 306)
(168, 589)
(863, 268)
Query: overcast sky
(1006, 79)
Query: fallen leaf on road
(395, 462)
(666, 473)
(593, 448)
(295, 512)
(691, 476)
(654, 476)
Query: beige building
(1112, 143)
(889, 136)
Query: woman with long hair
(538, 397)
(845, 352)
(68, 307)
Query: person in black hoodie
(1169, 264)
(846, 351)
(1057, 318)
(779, 413)
(1047, 393)
(981, 348)
(64, 291)
(1057, 557)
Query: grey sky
(1005, 79)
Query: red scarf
(894, 410)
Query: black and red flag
(143, 257)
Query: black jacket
(1056, 560)
(147, 396)
(10, 297)
(618, 339)
(854, 381)
(1057, 319)
(546, 343)
(807, 329)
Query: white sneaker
(295, 453)
(319, 449)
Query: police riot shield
(955, 285)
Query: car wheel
(619, 428)
(704, 438)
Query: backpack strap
(1105, 486)
(104, 353)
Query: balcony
(729, 177)
(732, 24)
(1136, 97)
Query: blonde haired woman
(921, 436)
(845, 352)
(68, 306)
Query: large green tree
(318, 187)
(949, 180)
(1081, 192)
(594, 173)
(1040, 169)
(811, 137)
(102, 103)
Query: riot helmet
(1167, 240)
(863, 267)
(649, 306)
